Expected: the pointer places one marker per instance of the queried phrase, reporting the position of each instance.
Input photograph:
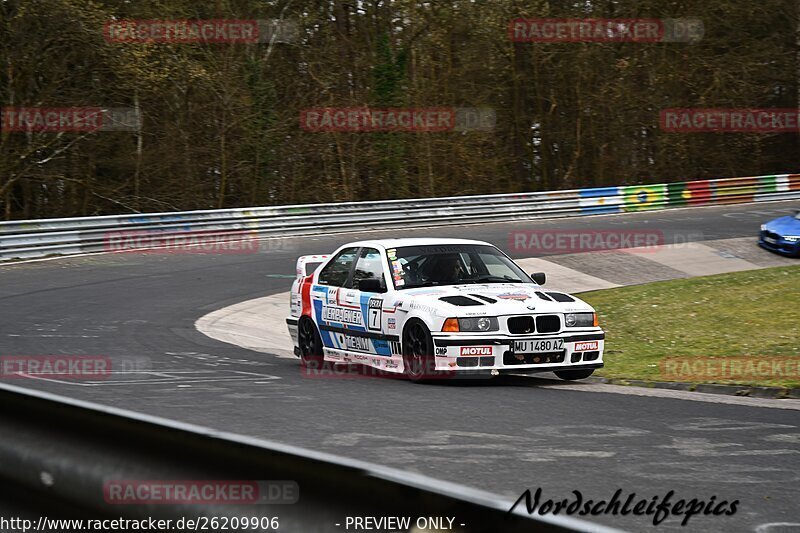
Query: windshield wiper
(423, 284)
(495, 279)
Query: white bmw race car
(433, 307)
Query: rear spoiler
(307, 264)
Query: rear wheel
(310, 343)
(418, 358)
(572, 375)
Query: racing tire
(419, 363)
(572, 375)
(311, 355)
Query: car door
(370, 338)
(331, 312)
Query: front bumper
(469, 354)
(776, 243)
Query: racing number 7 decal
(375, 314)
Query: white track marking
(258, 325)
(695, 259)
(564, 278)
(163, 377)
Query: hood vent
(484, 298)
(459, 300)
(543, 296)
(560, 297)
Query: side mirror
(370, 285)
(538, 277)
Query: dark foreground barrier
(64, 458)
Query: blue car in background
(782, 235)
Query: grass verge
(739, 319)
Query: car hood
(492, 299)
(787, 225)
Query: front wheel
(572, 375)
(418, 358)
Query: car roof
(397, 243)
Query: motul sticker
(586, 346)
(476, 350)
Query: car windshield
(451, 264)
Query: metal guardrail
(36, 238)
(59, 453)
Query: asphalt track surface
(504, 435)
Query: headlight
(484, 323)
(579, 320)
(763, 227)
(791, 238)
